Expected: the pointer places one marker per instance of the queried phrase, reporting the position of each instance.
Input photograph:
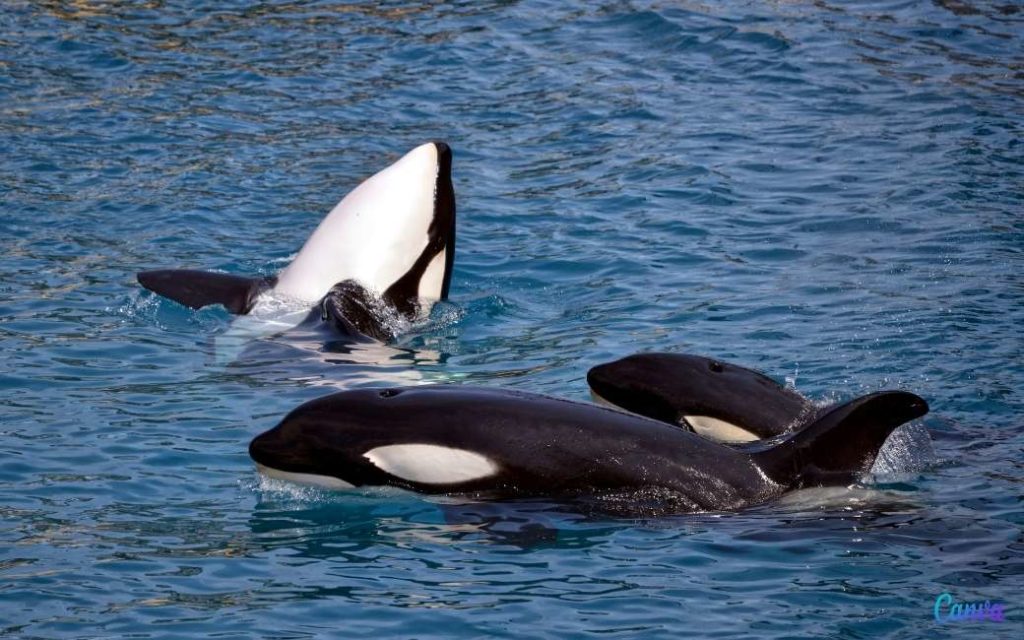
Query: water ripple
(830, 193)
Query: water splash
(908, 450)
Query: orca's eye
(716, 366)
(389, 393)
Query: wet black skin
(669, 386)
(547, 447)
(351, 311)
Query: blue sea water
(829, 192)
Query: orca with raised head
(492, 443)
(387, 247)
(715, 399)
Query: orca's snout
(597, 377)
(444, 152)
(281, 448)
(264, 448)
(911, 405)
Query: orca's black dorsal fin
(841, 443)
(198, 289)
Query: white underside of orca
(431, 464)
(374, 235)
(433, 280)
(316, 480)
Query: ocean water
(832, 193)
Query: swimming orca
(492, 443)
(715, 399)
(386, 248)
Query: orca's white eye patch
(432, 281)
(719, 430)
(431, 464)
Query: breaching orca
(715, 399)
(492, 443)
(386, 248)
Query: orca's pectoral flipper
(197, 289)
(841, 444)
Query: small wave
(137, 306)
(282, 489)
(273, 304)
(276, 489)
(907, 451)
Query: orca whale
(715, 399)
(386, 249)
(493, 443)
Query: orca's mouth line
(314, 479)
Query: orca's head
(398, 436)
(646, 383)
(394, 234)
(718, 400)
(318, 440)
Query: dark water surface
(833, 194)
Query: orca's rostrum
(493, 443)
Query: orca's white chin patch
(719, 430)
(431, 464)
(601, 401)
(312, 479)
